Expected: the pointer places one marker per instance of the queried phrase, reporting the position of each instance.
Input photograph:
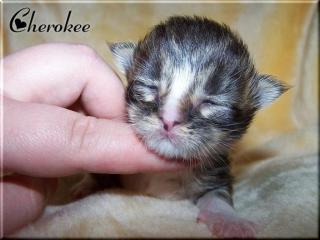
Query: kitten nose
(169, 124)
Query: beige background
(275, 163)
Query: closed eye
(151, 87)
(145, 92)
(208, 102)
(210, 108)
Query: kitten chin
(176, 144)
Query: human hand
(43, 138)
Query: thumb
(23, 200)
(49, 141)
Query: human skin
(44, 139)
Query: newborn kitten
(192, 92)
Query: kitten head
(192, 87)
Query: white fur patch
(182, 79)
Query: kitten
(192, 93)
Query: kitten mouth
(165, 135)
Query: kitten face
(193, 89)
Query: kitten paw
(83, 188)
(224, 225)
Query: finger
(53, 141)
(23, 200)
(61, 73)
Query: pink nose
(169, 124)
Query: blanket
(275, 164)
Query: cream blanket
(275, 164)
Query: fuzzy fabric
(275, 165)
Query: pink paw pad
(224, 225)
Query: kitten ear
(265, 89)
(123, 54)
